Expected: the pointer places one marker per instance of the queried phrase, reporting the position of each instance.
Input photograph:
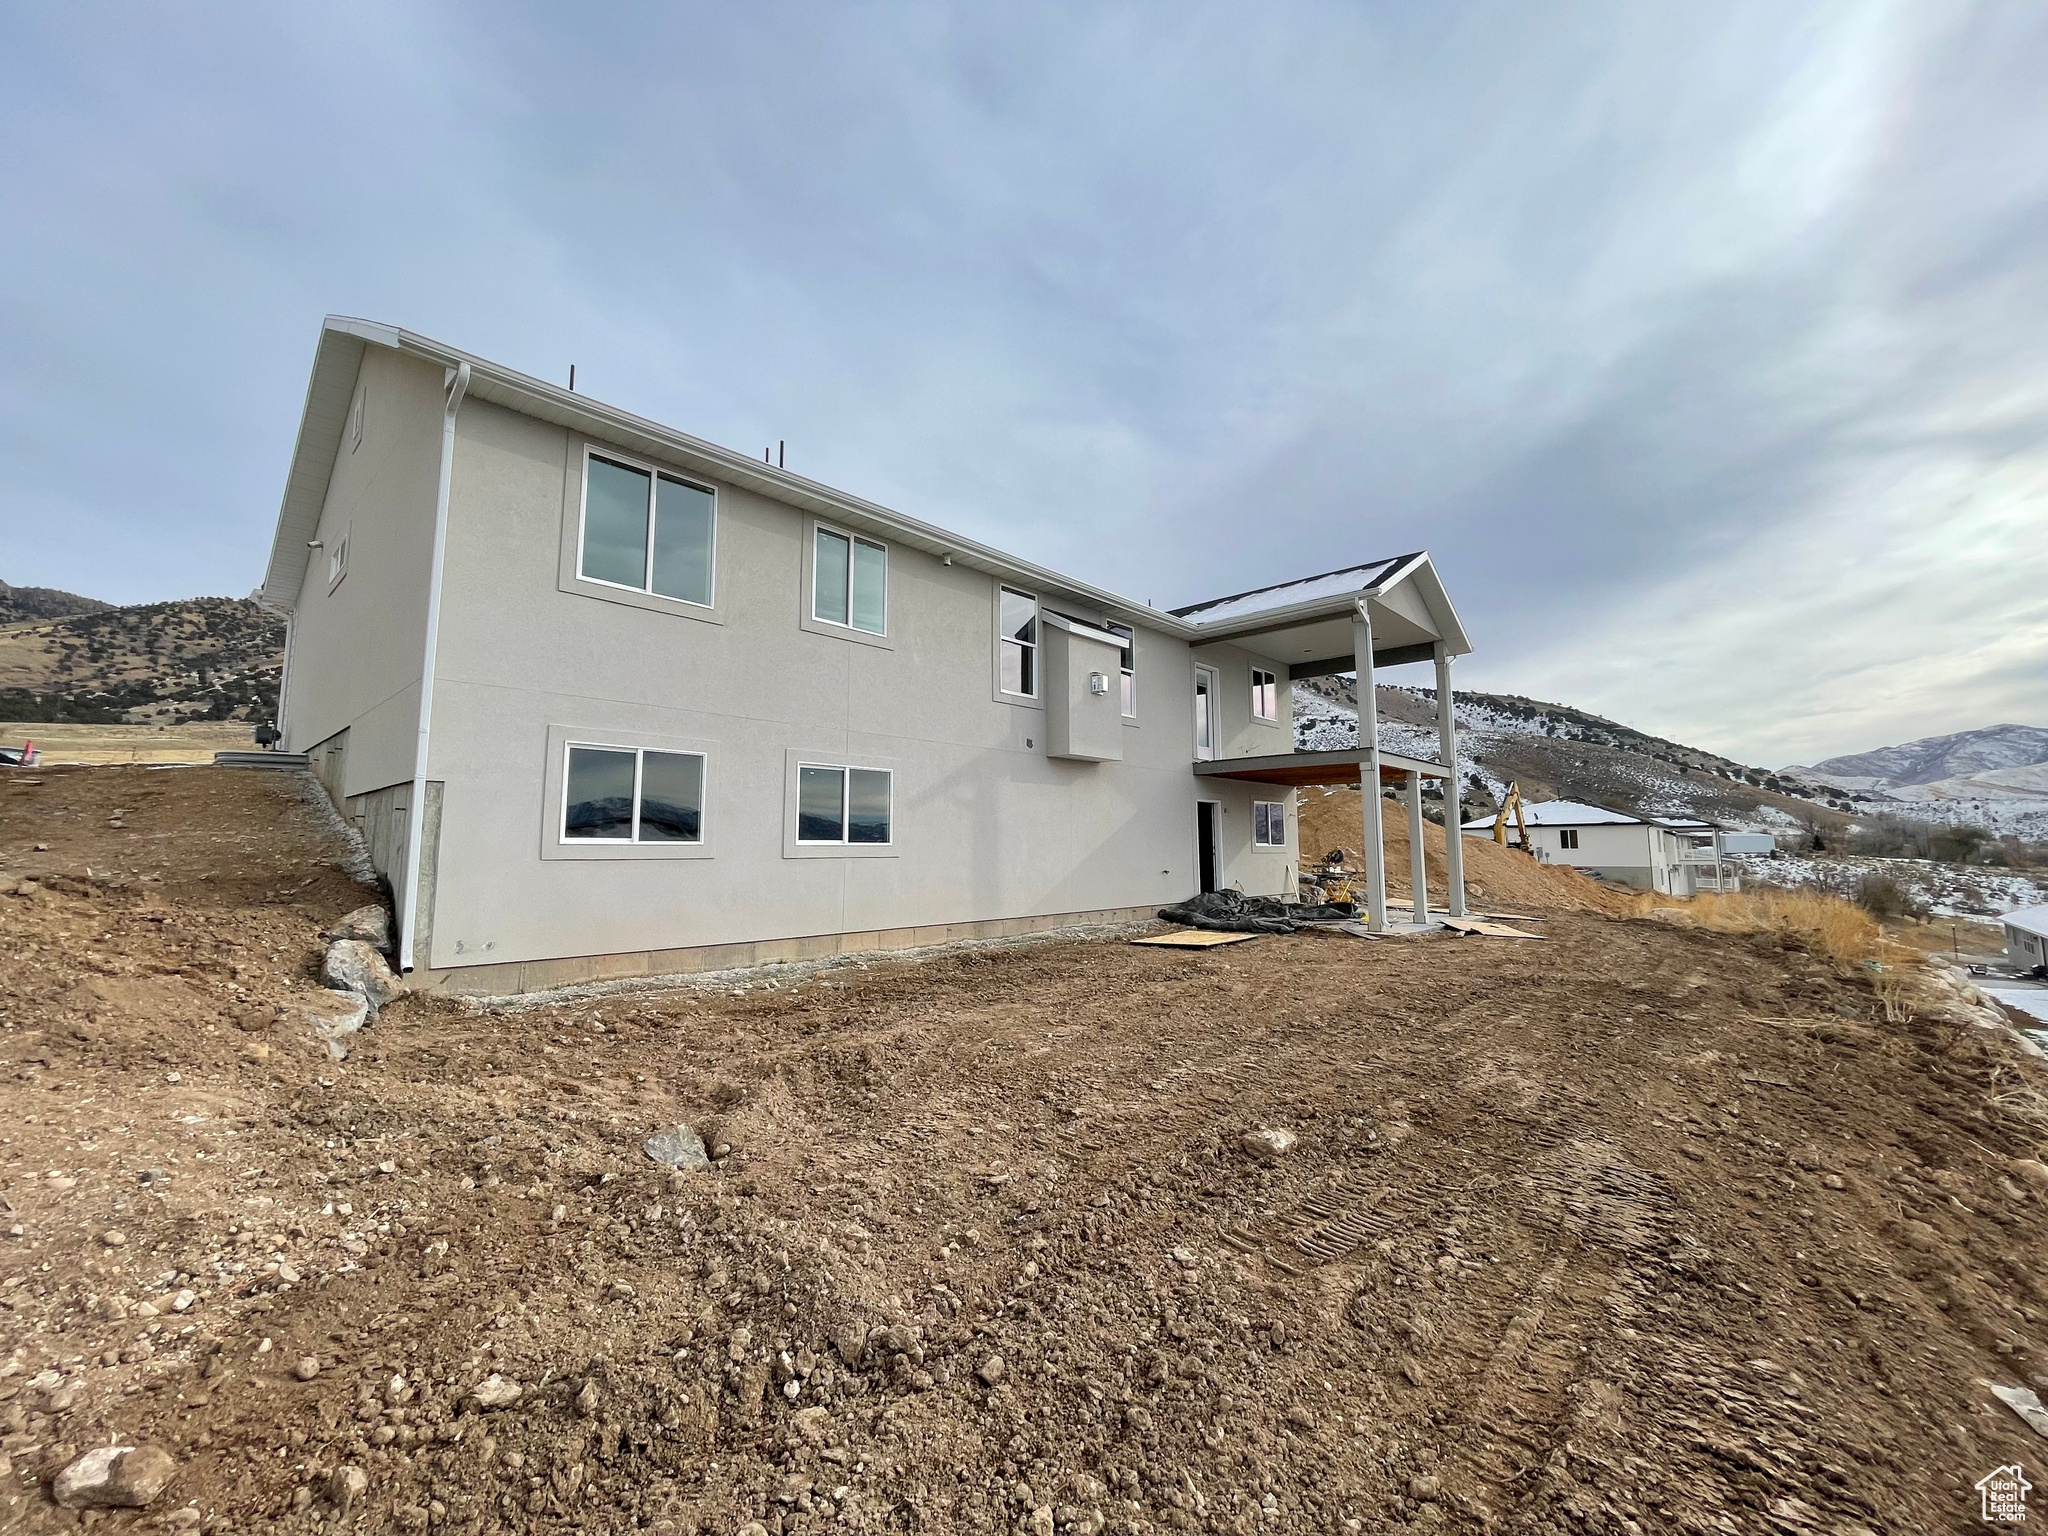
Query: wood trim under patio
(1300, 769)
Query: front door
(1205, 844)
(1205, 713)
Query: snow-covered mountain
(1997, 776)
(1932, 759)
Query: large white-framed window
(1017, 642)
(646, 530)
(1269, 824)
(849, 580)
(1129, 663)
(1265, 695)
(841, 805)
(620, 794)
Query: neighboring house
(1667, 854)
(608, 700)
(2026, 938)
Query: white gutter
(455, 386)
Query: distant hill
(1557, 752)
(19, 605)
(207, 658)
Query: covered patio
(1384, 613)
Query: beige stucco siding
(986, 826)
(357, 650)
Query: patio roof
(1298, 770)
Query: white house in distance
(1679, 857)
(2026, 938)
(608, 700)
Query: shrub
(1881, 896)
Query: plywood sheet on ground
(1195, 938)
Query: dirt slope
(1639, 1229)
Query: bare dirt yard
(1637, 1229)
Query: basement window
(837, 804)
(1567, 837)
(646, 531)
(1269, 824)
(632, 795)
(850, 581)
(1265, 695)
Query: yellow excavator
(1512, 801)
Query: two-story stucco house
(608, 700)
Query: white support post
(1369, 773)
(1447, 754)
(1418, 865)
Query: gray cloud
(1701, 343)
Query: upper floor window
(1265, 695)
(850, 582)
(647, 531)
(1017, 643)
(1130, 667)
(337, 559)
(837, 804)
(632, 795)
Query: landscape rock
(345, 1486)
(679, 1148)
(370, 925)
(992, 1370)
(114, 1477)
(1270, 1144)
(335, 1016)
(354, 966)
(307, 1368)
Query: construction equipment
(24, 756)
(1512, 801)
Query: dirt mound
(1646, 1228)
(1497, 876)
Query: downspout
(454, 386)
(284, 682)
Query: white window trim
(337, 558)
(1257, 673)
(646, 589)
(794, 760)
(811, 574)
(1210, 753)
(356, 412)
(1272, 806)
(639, 757)
(1004, 695)
(1130, 673)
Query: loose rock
(114, 1477)
(992, 1370)
(1270, 1144)
(370, 925)
(679, 1148)
(495, 1391)
(307, 1368)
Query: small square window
(1567, 837)
(337, 560)
(1269, 824)
(850, 581)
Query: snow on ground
(1947, 890)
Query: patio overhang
(1299, 770)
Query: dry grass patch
(1826, 925)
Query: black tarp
(1234, 912)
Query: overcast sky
(1706, 346)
